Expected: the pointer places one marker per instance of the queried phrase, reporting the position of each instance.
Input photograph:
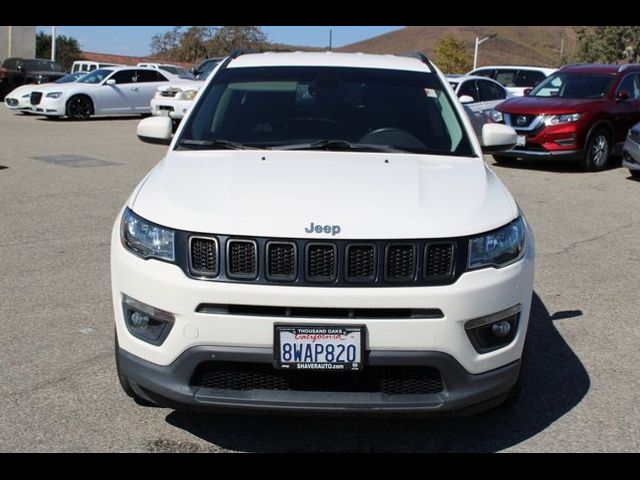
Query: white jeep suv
(322, 235)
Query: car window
(631, 85)
(529, 78)
(507, 78)
(489, 91)
(574, 85)
(125, 76)
(485, 72)
(146, 76)
(469, 88)
(272, 107)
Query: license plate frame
(320, 329)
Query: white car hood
(183, 85)
(278, 194)
(22, 90)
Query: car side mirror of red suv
(527, 91)
(622, 95)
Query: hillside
(514, 45)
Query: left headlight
(54, 95)
(26, 95)
(496, 116)
(146, 239)
(498, 248)
(188, 95)
(550, 120)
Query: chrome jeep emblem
(332, 229)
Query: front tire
(79, 107)
(598, 151)
(126, 384)
(635, 174)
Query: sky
(130, 40)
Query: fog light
(501, 328)
(146, 322)
(139, 320)
(493, 331)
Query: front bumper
(171, 107)
(50, 106)
(17, 103)
(631, 155)
(170, 385)
(415, 341)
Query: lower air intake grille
(438, 260)
(204, 256)
(321, 262)
(399, 380)
(242, 259)
(400, 263)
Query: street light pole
(53, 44)
(478, 42)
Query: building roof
(127, 60)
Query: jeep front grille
(327, 263)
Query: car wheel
(126, 384)
(598, 151)
(79, 107)
(504, 160)
(635, 173)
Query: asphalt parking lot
(61, 186)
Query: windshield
(42, 66)
(206, 70)
(96, 76)
(72, 77)
(303, 107)
(573, 85)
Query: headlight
(146, 239)
(496, 116)
(498, 248)
(54, 95)
(188, 95)
(550, 120)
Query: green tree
(67, 49)
(608, 44)
(451, 55)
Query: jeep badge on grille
(332, 229)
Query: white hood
(183, 85)
(278, 194)
(22, 90)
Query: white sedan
(106, 91)
(19, 98)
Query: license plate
(319, 347)
(521, 140)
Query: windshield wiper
(213, 145)
(338, 145)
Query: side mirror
(111, 82)
(467, 99)
(156, 130)
(622, 95)
(497, 137)
(193, 71)
(527, 91)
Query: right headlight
(496, 116)
(146, 239)
(498, 248)
(188, 95)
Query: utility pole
(561, 50)
(478, 42)
(330, 39)
(53, 44)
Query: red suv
(581, 112)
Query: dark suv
(20, 71)
(581, 112)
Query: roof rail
(627, 65)
(420, 56)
